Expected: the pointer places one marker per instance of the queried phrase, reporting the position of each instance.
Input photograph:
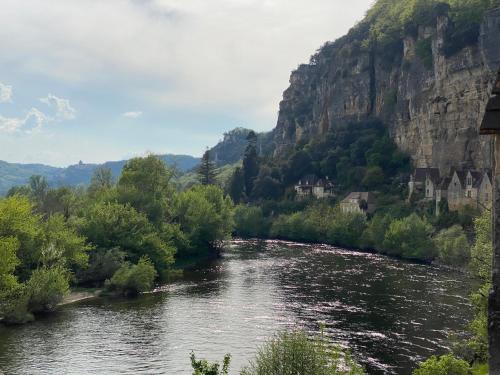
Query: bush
(444, 365)
(203, 367)
(133, 279)
(346, 229)
(294, 353)
(103, 264)
(410, 238)
(250, 222)
(452, 246)
(374, 234)
(46, 288)
(14, 306)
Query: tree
(8, 264)
(145, 185)
(102, 179)
(295, 353)
(133, 279)
(250, 222)
(453, 246)
(250, 163)
(205, 217)
(39, 187)
(410, 238)
(374, 177)
(114, 225)
(47, 287)
(203, 367)
(237, 185)
(444, 365)
(206, 170)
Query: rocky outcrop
(432, 101)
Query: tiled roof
(420, 174)
(359, 195)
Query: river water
(389, 312)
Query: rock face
(432, 104)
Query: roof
(445, 182)
(420, 174)
(313, 180)
(366, 196)
(477, 177)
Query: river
(391, 314)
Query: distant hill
(227, 154)
(231, 148)
(15, 174)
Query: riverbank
(80, 295)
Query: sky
(97, 80)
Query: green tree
(374, 178)
(295, 353)
(206, 170)
(374, 234)
(8, 264)
(133, 279)
(236, 187)
(39, 187)
(250, 163)
(145, 183)
(410, 238)
(205, 217)
(250, 222)
(47, 287)
(444, 365)
(102, 180)
(114, 225)
(453, 246)
(203, 367)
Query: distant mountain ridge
(15, 174)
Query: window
(427, 192)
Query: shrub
(46, 288)
(452, 246)
(133, 279)
(203, 367)
(410, 238)
(294, 353)
(444, 365)
(250, 222)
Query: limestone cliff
(431, 103)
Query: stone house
(469, 188)
(363, 202)
(312, 186)
(424, 181)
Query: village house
(462, 188)
(424, 181)
(312, 186)
(363, 202)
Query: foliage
(205, 218)
(250, 222)
(46, 288)
(424, 51)
(452, 246)
(102, 180)
(236, 186)
(206, 170)
(410, 238)
(295, 353)
(482, 249)
(203, 367)
(250, 163)
(8, 264)
(133, 279)
(114, 225)
(374, 234)
(145, 185)
(103, 263)
(444, 365)
(320, 223)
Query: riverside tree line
(123, 236)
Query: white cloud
(33, 121)
(233, 54)
(5, 93)
(64, 110)
(132, 114)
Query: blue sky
(97, 80)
